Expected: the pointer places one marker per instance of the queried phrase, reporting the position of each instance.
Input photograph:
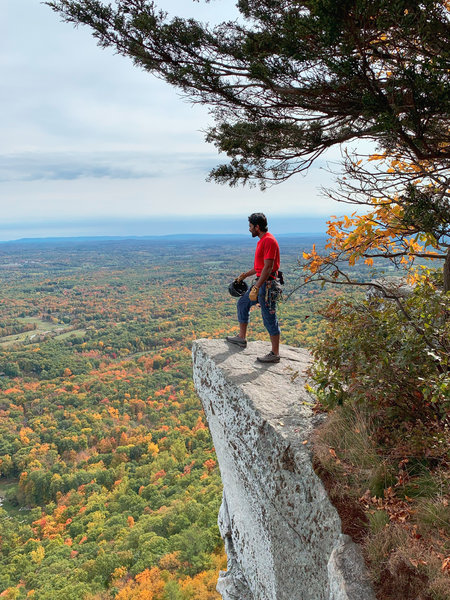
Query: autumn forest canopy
(109, 481)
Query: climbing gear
(237, 341)
(274, 293)
(254, 293)
(237, 288)
(278, 276)
(269, 358)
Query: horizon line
(150, 236)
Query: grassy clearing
(42, 327)
(8, 488)
(67, 334)
(40, 324)
(397, 508)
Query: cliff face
(282, 535)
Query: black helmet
(237, 288)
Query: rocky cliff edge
(282, 535)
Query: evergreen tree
(288, 80)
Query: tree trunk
(447, 272)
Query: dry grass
(405, 567)
(399, 510)
(432, 514)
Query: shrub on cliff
(383, 453)
(397, 360)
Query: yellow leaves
(201, 586)
(24, 434)
(11, 593)
(315, 261)
(145, 586)
(348, 222)
(118, 573)
(380, 232)
(414, 277)
(37, 555)
(414, 246)
(113, 412)
(152, 449)
(380, 38)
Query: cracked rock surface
(282, 535)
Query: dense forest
(109, 483)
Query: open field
(43, 328)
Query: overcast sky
(89, 144)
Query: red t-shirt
(267, 248)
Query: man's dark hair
(258, 219)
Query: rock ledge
(282, 535)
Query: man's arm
(243, 276)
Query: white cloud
(85, 134)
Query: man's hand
(254, 293)
(241, 277)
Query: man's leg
(275, 339)
(270, 319)
(243, 330)
(243, 314)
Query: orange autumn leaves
(383, 232)
(155, 582)
(379, 232)
(147, 585)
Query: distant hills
(160, 238)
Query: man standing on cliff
(266, 265)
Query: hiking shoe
(269, 358)
(237, 341)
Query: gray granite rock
(279, 527)
(346, 573)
